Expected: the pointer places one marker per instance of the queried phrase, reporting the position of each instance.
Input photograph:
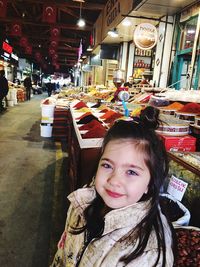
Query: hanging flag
(49, 13)
(57, 67)
(28, 50)
(23, 41)
(55, 57)
(54, 44)
(3, 8)
(16, 29)
(80, 50)
(51, 51)
(55, 33)
(38, 56)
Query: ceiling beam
(59, 25)
(59, 4)
(73, 14)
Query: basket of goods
(188, 247)
(188, 112)
(190, 117)
(177, 213)
(172, 108)
(172, 126)
(158, 101)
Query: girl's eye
(106, 165)
(131, 172)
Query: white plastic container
(10, 103)
(48, 110)
(46, 129)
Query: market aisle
(29, 180)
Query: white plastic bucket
(10, 103)
(46, 129)
(48, 111)
(15, 101)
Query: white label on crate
(177, 187)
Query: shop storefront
(187, 59)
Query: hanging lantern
(3, 8)
(49, 13)
(16, 29)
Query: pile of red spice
(90, 125)
(104, 110)
(80, 105)
(97, 131)
(113, 117)
(108, 114)
(191, 108)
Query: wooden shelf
(184, 163)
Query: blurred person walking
(3, 89)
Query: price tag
(177, 187)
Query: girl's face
(122, 176)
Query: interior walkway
(32, 188)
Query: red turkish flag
(51, 51)
(38, 56)
(53, 44)
(3, 8)
(23, 41)
(28, 50)
(16, 29)
(49, 13)
(55, 57)
(57, 66)
(55, 33)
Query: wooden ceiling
(29, 14)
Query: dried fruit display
(188, 242)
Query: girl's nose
(114, 178)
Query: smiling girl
(117, 221)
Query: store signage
(176, 187)
(112, 10)
(15, 57)
(145, 36)
(6, 47)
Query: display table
(83, 155)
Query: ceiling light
(81, 22)
(113, 33)
(191, 31)
(126, 22)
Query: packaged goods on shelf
(177, 143)
(181, 168)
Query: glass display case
(186, 167)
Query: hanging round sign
(145, 36)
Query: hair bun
(149, 117)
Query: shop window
(188, 30)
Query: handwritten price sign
(177, 187)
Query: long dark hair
(142, 131)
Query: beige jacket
(106, 251)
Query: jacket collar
(115, 219)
